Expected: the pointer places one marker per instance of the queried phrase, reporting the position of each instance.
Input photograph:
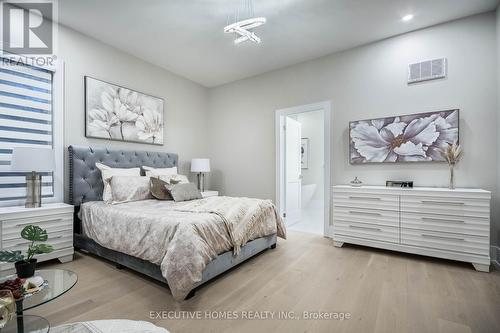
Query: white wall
(185, 101)
(313, 128)
(365, 82)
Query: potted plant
(25, 265)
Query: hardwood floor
(383, 292)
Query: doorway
(303, 167)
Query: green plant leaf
(11, 256)
(42, 248)
(34, 233)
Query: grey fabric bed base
(86, 185)
(219, 265)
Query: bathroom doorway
(303, 167)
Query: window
(27, 120)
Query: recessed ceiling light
(407, 18)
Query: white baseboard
(495, 256)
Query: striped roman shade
(25, 121)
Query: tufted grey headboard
(85, 179)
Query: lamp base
(201, 182)
(33, 190)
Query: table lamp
(200, 165)
(33, 161)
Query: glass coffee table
(59, 281)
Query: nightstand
(56, 218)
(207, 194)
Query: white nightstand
(56, 218)
(207, 194)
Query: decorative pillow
(129, 188)
(158, 189)
(153, 172)
(108, 172)
(175, 179)
(183, 192)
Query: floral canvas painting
(412, 138)
(118, 113)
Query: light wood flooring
(383, 291)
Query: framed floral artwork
(117, 113)
(412, 138)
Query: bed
(181, 244)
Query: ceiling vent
(427, 70)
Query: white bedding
(181, 242)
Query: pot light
(407, 18)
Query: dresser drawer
(58, 240)
(12, 230)
(367, 216)
(475, 226)
(366, 200)
(446, 206)
(446, 241)
(370, 231)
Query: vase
(25, 269)
(452, 177)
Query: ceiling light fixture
(244, 28)
(407, 18)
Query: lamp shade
(26, 159)
(200, 165)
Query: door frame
(326, 106)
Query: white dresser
(56, 218)
(437, 222)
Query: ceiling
(186, 36)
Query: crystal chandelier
(244, 28)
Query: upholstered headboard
(85, 179)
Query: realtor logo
(27, 27)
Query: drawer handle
(441, 220)
(443, 237)
(46, 221)
(364, 198)
(453, 203)
(365, 228)
(364, 213)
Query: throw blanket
(240, 215)
(109, 326)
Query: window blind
(25, 121)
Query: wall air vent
(427, 70)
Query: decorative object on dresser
(398, 183)
(200, 166)
(436, 222)
(118, 113)
(33, 161)
(452, 154)
(207, 194)
(25, 265)
(411, 138)
(56, 218)
(356, 182)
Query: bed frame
(86, 185)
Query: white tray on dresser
(437, 222)
(56, 218)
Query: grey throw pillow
(158, 189)
(183, 192)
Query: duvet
(180, 237)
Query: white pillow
(129, 188)
(108, 172)
(178, 179)
(154, 172)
